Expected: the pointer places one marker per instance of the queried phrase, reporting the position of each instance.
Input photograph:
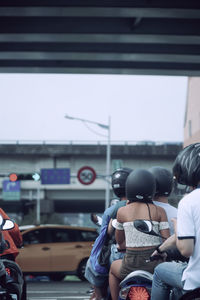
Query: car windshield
(58, 235)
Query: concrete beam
(100, 12)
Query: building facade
(192, 112)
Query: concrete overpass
(75, 197)
(100, 37)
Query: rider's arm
(184, 244)
(120, 238)
(163, 225)
(119, 232)
(168, 244)
(110, 229)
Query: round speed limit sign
(86, 175)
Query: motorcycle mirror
(145, 226)
(6, 224)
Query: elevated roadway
(75, 197)
(100, 37)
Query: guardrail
(86, 142)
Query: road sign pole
(38, 206)
(108, 152)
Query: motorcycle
(11, 277)
(137, 284)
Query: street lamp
(108, 153)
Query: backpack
(96, 253)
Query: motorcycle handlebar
(171, 254)
(154, 257)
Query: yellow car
(56, 250)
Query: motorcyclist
(13, 238)
(140, 190)
(97, 220)
(100, 281)
(184, 276)
(118, 182)
(164, 185)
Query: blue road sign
(9, 186)
(55, 176)
(11, 190)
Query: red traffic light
(13, 177)
(25, 176)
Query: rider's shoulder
(121, 210)
(161, 210)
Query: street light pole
(108, 156)
(108, 153)
(38, 206)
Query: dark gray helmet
(164, 181)
(140, 186)
(119, 180)
(186, 168)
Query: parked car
(56, 250)
(25, 227)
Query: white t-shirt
(188, 226)
(171, 212)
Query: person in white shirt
(184, 276)
(164, 185)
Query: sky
(141, 108)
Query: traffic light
(25, 176)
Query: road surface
(51, 290)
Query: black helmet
(119, 180)
(186, 168)
(140, 186)
(164, 181)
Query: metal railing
(86, 142)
